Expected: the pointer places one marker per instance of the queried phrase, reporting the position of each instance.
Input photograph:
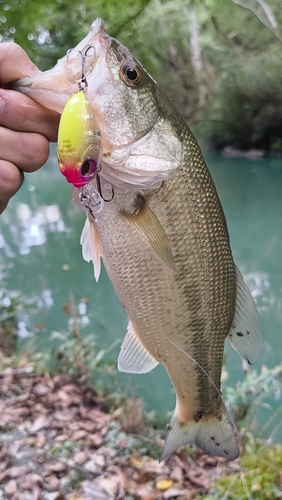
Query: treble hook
(100, 190)
(82, 83)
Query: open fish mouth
(56, 86)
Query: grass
(259, 477)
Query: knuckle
(11, 180)
(35, 150)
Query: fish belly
(180, 316)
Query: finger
(29, 151)
(19, 112)
(14, 63)
(11, 179)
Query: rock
(91, 466)
(41, 390)
(54, 495)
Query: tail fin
(216, 436)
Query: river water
(40, 256)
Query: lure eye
(88, 168)
(132, 75)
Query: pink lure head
(79, 175)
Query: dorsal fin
(91, 249)
(133, 357)
(245, 333)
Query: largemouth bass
(160, 229)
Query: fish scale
(173, 289)
(162, 236)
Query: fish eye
(132, 74)
(88, 168)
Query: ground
(59, 440)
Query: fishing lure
(79, 141)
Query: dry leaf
(11, 487)
(39, 424)
(80, 457)
(164, 484)
(41, 390)
(135, 462)
(57, 467)
(18, 471)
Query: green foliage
(253, 393)
(12, 305)
(219, 62)
(70, 352)
(258, 478)
(47, 31)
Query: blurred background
(220, 61)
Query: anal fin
(133, 357)
(150, 228)
(245, 333)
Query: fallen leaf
(57, 467)
(164, 484)
(80, 457)
(39, 424)
(41, 440)
(52, 481)
(96, 440)
(135, 462)
(18, 471)
(93, 491)
(41, 390)
(176, 493)
(11, 487)
(79, 435)
(110, 484)
(4, 475)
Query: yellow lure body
(79, 141)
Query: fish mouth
(54, 87)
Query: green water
(41, 256)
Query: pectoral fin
(91, 249)
(245, 333)
(150, 228)
(133, 357)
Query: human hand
(26, 127)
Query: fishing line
(201, 368)
(197, 363)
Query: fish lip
(62, 81)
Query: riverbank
(61, 440)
